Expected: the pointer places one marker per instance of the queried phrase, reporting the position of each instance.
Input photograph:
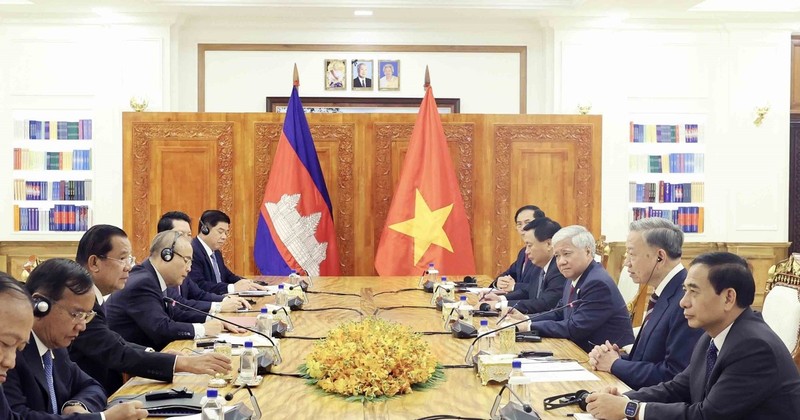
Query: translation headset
(659, 259)
(204, 228)
(563, 400)
(41, 306)
(167, 254)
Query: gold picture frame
(368, 75)
(390, 80)
(335, 74)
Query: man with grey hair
(664, 345)
(601, 313)
(138, 312)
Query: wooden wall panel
(794, 105)
(361, 157)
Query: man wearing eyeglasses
(208, 268)
(45, 383)
(105, 251)
(138, 312)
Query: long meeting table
(459, 394)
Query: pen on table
(502, 318)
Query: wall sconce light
(761, 112)
(584, 108)
(138, 103)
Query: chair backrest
(782, 312)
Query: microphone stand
(511, 412)
(278, 358)
(468, 356)
(243, 413)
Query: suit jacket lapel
(31, 355)
(666, 299)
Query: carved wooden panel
(501, 162)
(150, 141)
(567, 182)
(794, 185)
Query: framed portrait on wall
(335, 74)
(362, 72)
(389, 70)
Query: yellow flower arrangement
(370, 359)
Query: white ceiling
(315, 11)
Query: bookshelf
(666, 162)
(52, 174)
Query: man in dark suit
(45, 383)
(740, 369)
(208, 268)
(16, 312)
(543, 292)
(520, 270)
(362, 81)
(105, 251)
(601, 315)
(138, 312)
(189, 292)
(664, 344)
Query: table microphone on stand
(468, 357)
(241, 411)
(521, 411)
(278, 358)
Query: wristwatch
(631, 409)
(73, 403)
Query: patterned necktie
(539, 286)
(47, 360)
(711, 360)
(651, 303)
(216, 268)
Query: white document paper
(583, 416)
(556, 371)
(479, 290)
(199, 416)
(258, 341)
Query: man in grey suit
(740, 369)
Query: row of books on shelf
(53, 130)
(76, 160)
(60, 218)
(664, 133)
(665, 192)
(690, 219)
(54, 190)
(678, 163)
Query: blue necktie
(216, 268)
(711, 360)
(47, 360)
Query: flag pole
(296, 78)
(427, 79)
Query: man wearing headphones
(105, 251)
(189, 292)
(208, 268)
(138, 312)
(665, 341)
(45, 383)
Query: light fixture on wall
(761, 112)
(363, 13)
(584, 108)
(138, 103)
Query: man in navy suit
(105, 251)
(665, 342)
(45, 383)
(189, 292)
(138, 312)
(521, 271)
(16, 312)
(602, 314)
(544, 292)
(208, 268)
(740, 369)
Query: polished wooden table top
(461, 393)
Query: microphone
(511, 411)
(275, 311)
(502, 318)
(295, 303)
(440, 301)
(241, 412)
(468, 356)
(278, 357)
(302, 295)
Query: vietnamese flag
(295, 228)
(426, 221)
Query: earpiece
(204, 228)
(659, 259)
(168, 253)
(41, 306)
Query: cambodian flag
(295, 225)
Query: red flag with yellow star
(426, 221)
